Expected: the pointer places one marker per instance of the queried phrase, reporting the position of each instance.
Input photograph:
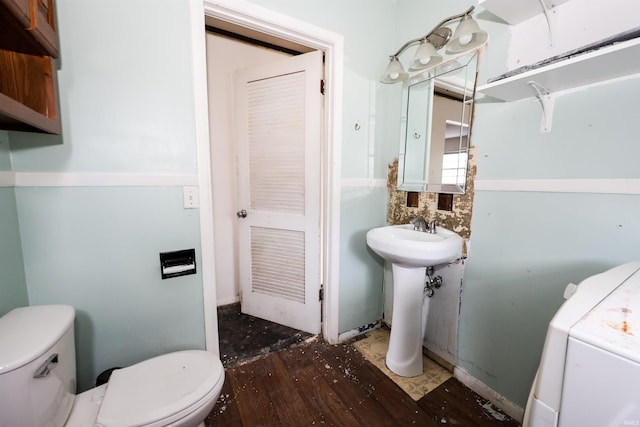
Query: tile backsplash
(458, 220)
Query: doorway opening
(251, 180)
(259, 23)
(269, 257)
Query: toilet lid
(158, 388)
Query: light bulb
(465, 39)
(425, 61)
(394, 76)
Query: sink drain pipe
(431, 283)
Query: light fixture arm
(433, 32)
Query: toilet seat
(161, 390)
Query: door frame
(266, 21)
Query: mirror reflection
(436, 126)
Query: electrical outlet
(190, 194)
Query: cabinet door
(27, 26)
(27, 93)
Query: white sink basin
(410, 253)
(402, 245)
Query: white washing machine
(589, 374)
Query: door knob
(242, 213)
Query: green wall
(97, 249)
(12, 283)
(527, 246)
(126, 91)
(127, 108)
(361, 301)
(5, 152)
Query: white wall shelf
(515, 12)
(618, 60)
(543, 81)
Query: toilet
(38, 380)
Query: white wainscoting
(363, 183)
(7, 179)
(57, 179)
(604, 186)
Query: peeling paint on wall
(458, 220)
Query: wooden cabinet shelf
(28, 44)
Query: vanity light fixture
(467, 36)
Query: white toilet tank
(37, 366)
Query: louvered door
(278, 116)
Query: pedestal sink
(410, 253)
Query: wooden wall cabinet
(28, 46)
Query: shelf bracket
(550, 24)
(546, 99)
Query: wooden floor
(243, 337)
(317, 383)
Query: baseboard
(228, 301)
(501, 402)
(344, 336)
(438, 359)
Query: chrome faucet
(419, 224)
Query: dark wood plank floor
(317, 383)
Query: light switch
(190, 194)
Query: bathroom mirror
(436, 121)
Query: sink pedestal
(410, 252)
(404, 356)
